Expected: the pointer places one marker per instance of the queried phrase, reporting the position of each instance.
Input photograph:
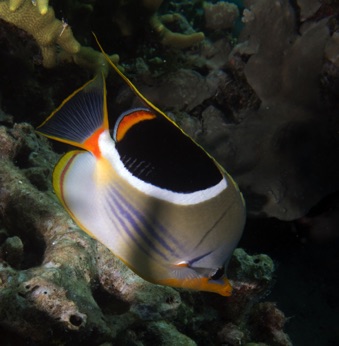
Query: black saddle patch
(157, 152)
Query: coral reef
(56, 280)
(264, 103)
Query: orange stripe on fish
(92, 143)
(129, 120)
(222, 287)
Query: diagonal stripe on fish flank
(129, 225)
(146, 230)
(136, 223)
(112, 215)
(154, 230)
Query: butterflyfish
(149, 193)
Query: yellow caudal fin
(80, 118)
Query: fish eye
(218, 274)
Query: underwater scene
(169, 172)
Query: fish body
(150, 194)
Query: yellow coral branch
(42, 6)
(15, 4)
(174, 39)
(46, 29)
